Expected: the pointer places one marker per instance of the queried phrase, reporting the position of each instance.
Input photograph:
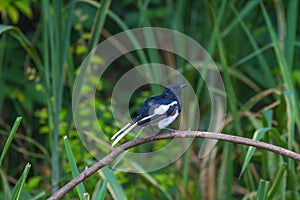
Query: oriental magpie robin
(161, 110)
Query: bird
(161, 110)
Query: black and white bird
(161, 110)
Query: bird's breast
(165, 122)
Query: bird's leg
(169, 129)
(138, 134)
(152, 130)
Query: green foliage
(75, 172)
(262, 191)
(116, 190)
(10, 138)
(255, 45)
(16, 192)
(12, 9)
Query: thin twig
(178, 134)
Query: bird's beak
(182, 86)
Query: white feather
(123, 134)
(147, 117)
(162, 109)
(165, 122)
(120, 131)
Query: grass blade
(75, 172)
(248, 8)
(279, 54)
(5, 186)
(252, 55)
(274, 190)
(228, 83)
(262, 191)
(185, 170)
(39, 196)
(292, 14)
(289, 97)
(10, 138)
(257, 136)
(284, 68)
(268, 80)
(19, 186)
(149, 178)
(231, 99)
(98, 23)
(115, 187)
(292, 176)
(146, 175)
(100, 191)
(17, 34)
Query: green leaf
(10, 138)
(292, 15)
(290, 102)
(281, 114)
(13, 14)
(248, 8)
(277, 136)
(266, 78)
(152, 180)
(284, 68)
(100, 191)
(19, 186)
(262, 191)
(98, 23)
(17, 33)
(39, 196)
(4, 28)
(75, 172)
(279, 178)
(290, 108)
(279, 54)
(257, 136)
(24, 7)
(115, 188)
(5, 185)
(33, 182)
(267, 118)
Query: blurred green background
(255, 44)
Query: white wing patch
(162, 109)
(165, 122)
(147, 117)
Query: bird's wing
(153, 111)
(123, 131)
(157, 112)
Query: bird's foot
(169, 129)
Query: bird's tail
(121, 133)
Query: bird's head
(175, 88)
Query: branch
(178, 134)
